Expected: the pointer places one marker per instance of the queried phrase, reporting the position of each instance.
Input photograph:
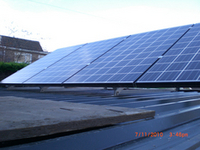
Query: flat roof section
(23, 118)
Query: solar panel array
(127, 61)
(167, 55)
(180, 63)
(77, 60)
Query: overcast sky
(62, 23)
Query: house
(19, 50)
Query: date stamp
(160, 134)
(148, 134)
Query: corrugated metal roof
(175, 112)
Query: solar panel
(76, 61)
(43, 63)
(164, 56)
(180, 64)
(128, 60)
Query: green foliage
(11, 67)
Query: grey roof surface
(175, 112)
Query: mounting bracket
(117, 91)
(43, 88)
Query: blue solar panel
(43, 63)
(181, 63)
(128, 60)
(77, 60)
(162, 56)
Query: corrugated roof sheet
(175, 112)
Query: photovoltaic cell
(128, 60)
(181, 63)
(43, 63)
(68, 66)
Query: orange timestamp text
(160, 134)
(148, 134)
(178, 134)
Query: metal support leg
(117, 91)
(177, 89)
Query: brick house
(20, 50)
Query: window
(1, 53)
(21, 57)
(40, 56)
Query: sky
(62, 23)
